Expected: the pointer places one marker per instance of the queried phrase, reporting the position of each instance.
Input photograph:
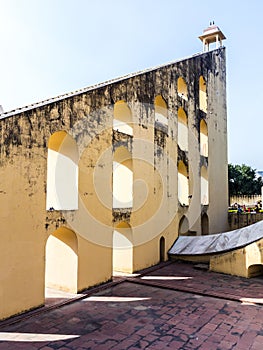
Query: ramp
(237, 252)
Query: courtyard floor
(173, 305)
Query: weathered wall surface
(156, 212)
(245, 262)
(217, 142)
(25, 223)
(241, 220)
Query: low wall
(241, 220)
(247, 200)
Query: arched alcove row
(183, 227)
(122, 178)
(183, 184)
(122, 118)
(62, 172)
(122, 248)
(161, 111)
(182, 130)
(204, 224)
(62, 260)
(204, 186)
(182, 88)
(202, 94)
(203, 138)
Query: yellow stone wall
(87, 116)
(245, 262)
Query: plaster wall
(25, 222)
(155, 212)
(245, 262)
(217, 147)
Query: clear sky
(50, 47)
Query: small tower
(210, 35)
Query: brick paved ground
(169, 308)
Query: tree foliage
(243, 180)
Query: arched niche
(183, 228)
(161, 112)
(62, 172)
(204, 186)
(182, 88)
(183, 184)
(162, 249)
(182, 130)
(62, 260)
(122, 120)
(122, 178)
(203, 138)
(204, 224)
(255, 270)
(122, 255)
(202, 94)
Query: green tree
(242, 180)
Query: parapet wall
(245, 200)
(241, 220)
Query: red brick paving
(173, 307)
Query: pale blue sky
(49, 47)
